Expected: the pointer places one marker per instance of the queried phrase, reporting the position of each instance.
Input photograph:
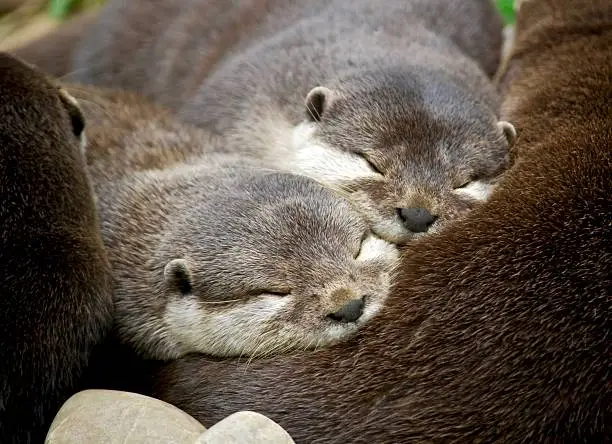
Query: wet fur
(55, 289)
(497, 329)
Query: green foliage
(61, 9)
(506, 9)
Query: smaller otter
(55, 289)
(233, 261)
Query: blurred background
(24, 20)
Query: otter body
(497, 329)
(389, 106)
(217, 255)
(55, 289)
(184, 42)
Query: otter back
(165, 49)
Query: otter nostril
(417, 220)
(349, 312)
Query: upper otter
(216, 255)
(498, 327)
(397, 116)
(55, 289)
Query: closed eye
(278, 293)
(370, 163)
(281, 293)
(466, 183)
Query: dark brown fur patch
(55, 291)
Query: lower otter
(497, 329)
(236, 261)
(55, 289)
(389, 106)
(219, 256)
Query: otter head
(271, 263)
(51, 113)
(410, 151)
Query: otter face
(410, 156)
(283, 264)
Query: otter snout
(416, 220)
(349, 312)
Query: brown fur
(55, 289)
(127, 134)
(498, 328)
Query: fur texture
(389, 106)
(165, 49)
(219, 256)
(55, 290)
(498, 328)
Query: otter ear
(318, 101)
(509, 131)
(74, 112)
(177, 276)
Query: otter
(217, 255)
(55, 290)
(391, 107)
(184, 42)
(497, 328)
(236, 261)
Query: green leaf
(506, 9)
(59, 9)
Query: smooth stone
(245, 428)
(109, 417)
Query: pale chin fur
(477, 190)
(327, 165)
(376, 249)
(220, 332)
(245, 330)
(334, 168)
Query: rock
(107, 416)
(245, 428)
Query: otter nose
(417, 220)
(349, 312)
